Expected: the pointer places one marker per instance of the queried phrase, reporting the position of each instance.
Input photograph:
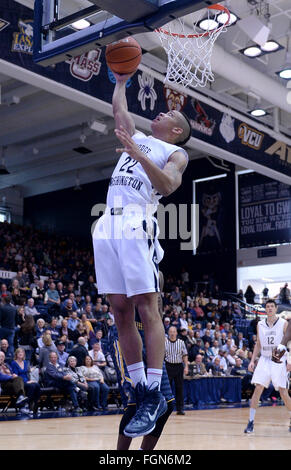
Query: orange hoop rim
(216, 6)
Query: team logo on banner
(23, 39)
(85, 66)
(250, 137)
(3, 24)
(202, 123)
(226, 128)
(175, 100)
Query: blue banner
(264, 211)
(147, 97)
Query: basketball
(124, 56)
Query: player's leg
(253, 407)
(129, 338)
(153, 403)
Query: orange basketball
(123, 56)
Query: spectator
(176, 294)
(215, 368)
(241, 371)
(54, 329)
(97, 355)
(7, 321)
(80, 351)
(196, 349)
(64, 330)
(52, 299)
(4, 347)
(78, 332)
(62, 354)
(239, 340)
(223, 363)
(46, 349)
(208, 353)
(207, 337)
(16, 294)
(67, 309)
(21, 367)
(30, 309)
(284, 295)
(215, 347)
(167, 324)
(73, 321)
(56, 377)
(89, 288)
(243, 352)
(38, 292)
(231, 356)
(87, 324)
(210, 306)
(61, 291)
(10, 383)
(27, 336)
(40, 328)
(98, 390)
(3, 291)
(77, 378)
(198, 310)
(198, 366)
(201, 300)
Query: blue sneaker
(151, 405)
(250, 427)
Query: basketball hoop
(188, 49)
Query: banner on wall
(216, 215)
(264, 211)
(146, 96)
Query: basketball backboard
(57, 37)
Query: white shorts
(126, 254)
(268, 371)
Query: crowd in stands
(54, 325)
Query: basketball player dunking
(126, 248)
(269, 335)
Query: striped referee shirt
(175, 350)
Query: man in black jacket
(7, 321)
(80, 351)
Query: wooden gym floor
(217, 429)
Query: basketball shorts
(268, 371)
(126, 254)
(124, 381)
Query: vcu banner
(146, 96)
(264, 211)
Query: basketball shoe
(151, 405)
(250, 427)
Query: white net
(189, 47)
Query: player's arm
(287, 334)
(165, 181)
(256, 352)
(121, 114)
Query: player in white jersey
(126, 248)
(270, 332)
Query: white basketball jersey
(129, 183)
(270, 336)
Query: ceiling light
(99, 127)
(208, 24)
(81, 24)
(285, 73)
(252, 51)
(223, 17)
(270, 46)
(258, 112)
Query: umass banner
(147, 97)
(264, 211)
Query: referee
(176, 355)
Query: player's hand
(251, 367)
(121, 78)
(277, 354)
(129, 146)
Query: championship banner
(216, 215)
(146, 96)
(264, 211)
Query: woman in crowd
(26, 336)
(97, 388)
(78, 377)
(20, 366)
